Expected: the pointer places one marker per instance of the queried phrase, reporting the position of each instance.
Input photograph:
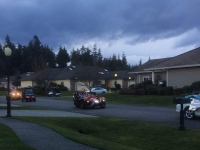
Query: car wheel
(103, 92)
(188, 113)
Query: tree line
(36, 56)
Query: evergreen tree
(95, 54)
(124, 62)
(75, 57)
(140, 62)
(62, 57)
(99, 58)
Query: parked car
(15, 95)
(98, 90)
(84, 100)
(28, 95)
(54, 93)
(192, 109)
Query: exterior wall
(111, 83)
(183, 77)
(26, 83)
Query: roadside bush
(118, 86)
(195, 86)
(160, 91)
(177, 91)
(151, 90)
(132, 86)
(124, 91)
(168, 90)
(187, 89)
(52, 84)
(64, 88)
(142, 91)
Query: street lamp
(129, 78)
(115, 79)
(8, 52)
(115, 82)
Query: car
(88, 100)
(192, 109)
(98, 90)
(54, 93)
(28, 95)
(15, 95)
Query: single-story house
(181, 70)
(78, 77)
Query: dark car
(28, 95)
(88, 101)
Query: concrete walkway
(40, 137)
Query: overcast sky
(139, 28)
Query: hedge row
(151, 90)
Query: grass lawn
(118, 134)
(9, 140)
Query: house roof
(187, 59)
(48, 73)
(78, 72)
(121, 75)
(12, 78)
(150, 64)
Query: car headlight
(96, 101)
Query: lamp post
(129, 79)
(8, 52)
(115, 81)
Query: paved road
(161, 115)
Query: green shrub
(177, 91)
(118, 86)
(160, 91)
(187, 89)
(151, 89)
(168, 90)
(64, 88)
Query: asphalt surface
(40, 137)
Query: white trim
(153, 80)
(167, 78)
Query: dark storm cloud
(65, 21)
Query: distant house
(78, 77)
(177, 71)
(4, 83)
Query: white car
(98, 90)
(192, 109)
